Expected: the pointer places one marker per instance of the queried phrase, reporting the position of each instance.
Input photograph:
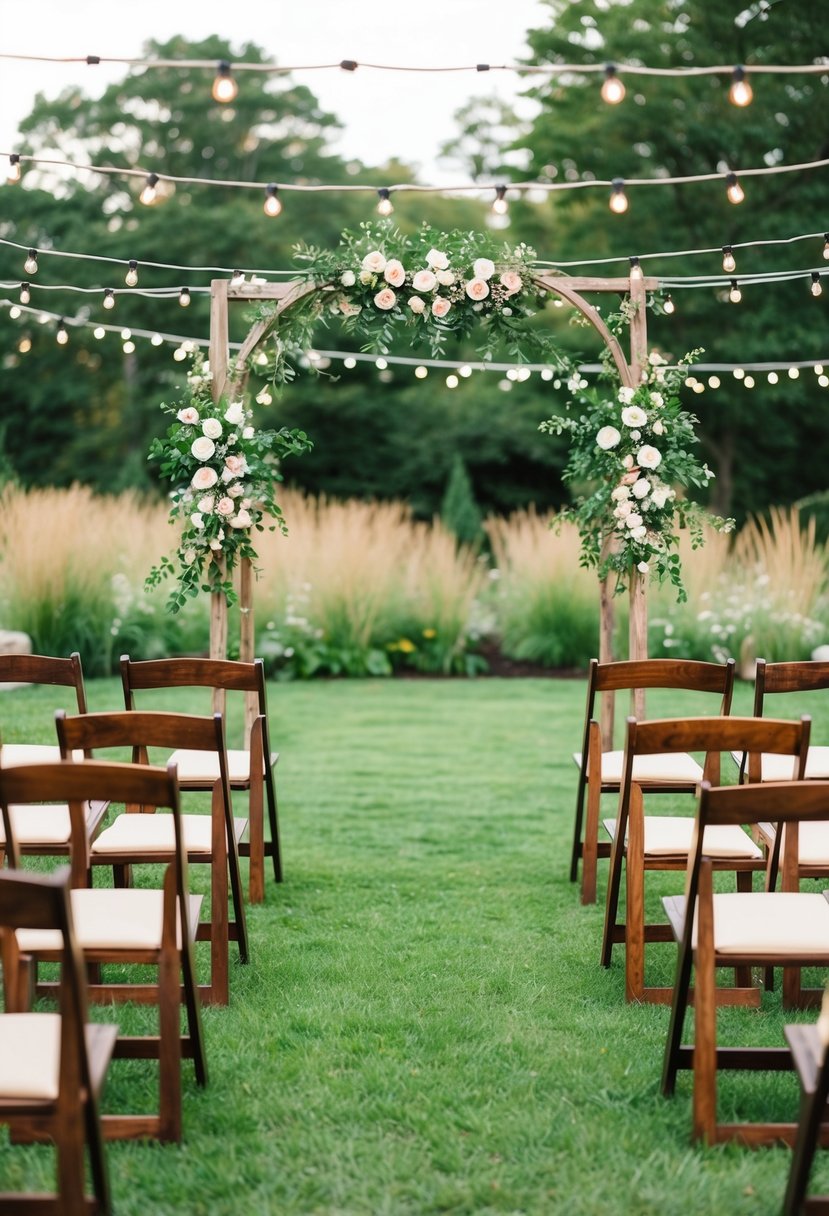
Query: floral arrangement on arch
(433, 285)
(630, 451)
(224, 473)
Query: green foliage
(816, 507)
(459, 511)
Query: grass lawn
(424, 1026)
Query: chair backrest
(687, 674)
(43, 669)
(193, 673)
(805, 676)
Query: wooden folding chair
(809, 1046)
(53, 1065)
(640, 842)
(789, 928)
(135, 839)
(600, 772)
(37, 834)
(250, 768)
(124, 926)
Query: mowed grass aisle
(425, 1027)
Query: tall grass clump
(546, 605)
(764, 594)
(72, 566)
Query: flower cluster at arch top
(632, 451)
(224, 472)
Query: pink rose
(236, 465)
(440, 306)
(206, 504)
(394, 273)
(225, 506)
(241, 520)
(349, 309)
(417, 305)
(477, 289)
(512, 281)
(188, 415)
(385, 299)
(204, 478)
(236, 491)
(374, 262)
(424, 280)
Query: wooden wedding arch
(571, 290)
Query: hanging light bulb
(237, 278)
(384, 206)
(14, 312)
(500, 206)
(14, 168)
(772, 377)
(156, 340)
(225, 87)
(149, 194)
(99, 332)
(618, 198)
(794, 373)
(131, 277)
(62, 336)
(30, 265)
(184, 297)
(613, 91)
(635, 269)
(729, 263)
(25, 293)
(815, 287)
(25, 344)
(733, 189)
(669, 306)
(273, 206)
(735, 295)
(741, 92)
(826, 245)
(109, 298)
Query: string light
(714, 382)
(741, 93)
(772, 377)
(826, 245)
(109, 298)
(99, 332)
(815, 286)
(25, 344)
(384, 206)
(225, 87)
(635, 269)
(613, 91)
(794, 373)
(184, 297)
(748, 382)
(14, 312)
(421, 372)
(131, 277)
(14, 168)
(273, 205)
(733, 189)
(735, 295)
(500, 205)
(729, 262)
(25, 293)
(62, 336)
(669, 307)
(350, 362)
(452, 381)
(149, 195)
(156, 340)
(618, 199)
(237, 278)
(30, 265)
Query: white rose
(235, 413)
(197, 519)
(424, 280)
(216, 544)
(648, 457)
(188, 556)
(641, 488)
(241, 520)
(643, 567)
(623, 510)
(445, 278)
(658, 428)
(627, 462)
(248, 432)
(437, 259)
(483, 268)
(657, 398)
(366, 277)
(660, 496)
(348, 278)
(638, 533)
(212, 428)
(634, 520)
(636, 436)
(374, 262)
(634, 416)
(607, 438)
(620, 494)
(417, 304)
(206, 504)
(654, 358)
(188, 415)
(202, 448)
(625, 395)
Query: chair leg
(97, 1160)
(576, 851)
(193, 1010)
(236, 890)
(590, 848)
(635, 900)
(219, 990)
(69, 1142)
(273, 821)
(812, 1108)
(705, 1015)
(614, 883)
(169, 1047)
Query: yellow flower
(406, 646)
(430, 633)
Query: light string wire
(414, 188)
(315, 354)
(351, 65)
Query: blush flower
(348, 278)
(445, 277)
(212, 428)
(202, 448)
(417, 304)
(634, 520)
(511, 281)
(607, 438)
(483, 268)
(225, 506)
(440, 306)
(437, 259)
(658, 428)
(640, 488)
(236, 466)
(241, 519)
(424, 280)
(188, 415)
(374, 262)
(385, 299)
(648, 457)
(204, 478)
(394, 273)
(478, 288)
(206, 504)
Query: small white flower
(348, 278)
(648, 457)
(625, 395)
(248, 432)
(620, 494)
(188, 415)
(642, 567)
(235, 413)
(483, 268)
(634, 416)
(660, 496)
(627, 462)
(366, 277)
(623, 510)
(658, 428)
(215, 544)
(636, 436)
(657, 399)
(188, 556)
(654, 358)
(640, 488)
(634, 520)
(639, 533)
(212, 428)
(607, 438)
(477, 307)
(197, 519)
(424, 280)
(241, 520)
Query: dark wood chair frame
(139, 731)
(72, 1121)
(682, 674)
(76, 782)
(226, 675)
(789, 803)
(712, 736)
(811, 1061)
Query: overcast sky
(384, 114)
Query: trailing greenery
(424, 1026)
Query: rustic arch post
(630, 368)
